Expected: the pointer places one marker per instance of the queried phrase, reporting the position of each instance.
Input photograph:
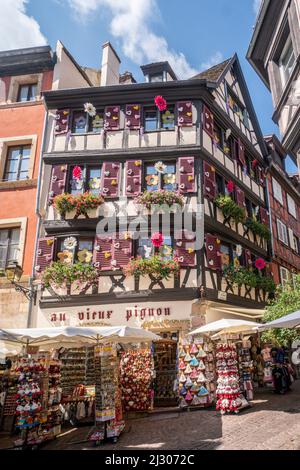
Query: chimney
(110, 66)
(127, 78)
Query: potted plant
(156, 265)
(150, 199)
(81, 203)
(258, 228)
(59, 275)
(230, 209)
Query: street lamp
(13, 273)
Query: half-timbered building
(209, 144)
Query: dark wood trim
(157, 295)
(233, 299)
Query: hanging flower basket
(156, 266)
(230, 209)
(149, 199)
(239, 276)
(81, 203)
(64, 275)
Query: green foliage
(248, 276)
(230, 209)
(63, 275)
(82, 203)
(156, 265)
(159, 198)
(287, 300)
(258, 228)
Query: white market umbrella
(288, 321)
(226, 326)
(76, 336)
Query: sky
(192, 35)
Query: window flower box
(156, 266)
(258, 228)
(229, 209)
(59, 275)
(157, 199)
(76, 206)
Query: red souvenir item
(160, 103)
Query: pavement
(271, 423)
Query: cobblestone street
(272, 423)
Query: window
(295, 245)
(291, 206)
(83, 123)
(168, 118)
(220, 184)
(151, 119)
(9, 246)
(160, 175)
(252, 209)
(286, 61)
(27, 92)
(17, 164)
(238, 108)
(73, 250)
(145, 248)
(277, 191)
(284, 275)
(282, 232)
(218, 136)
(225, 255)
(85, 178)
(158, 77)
(294, 279)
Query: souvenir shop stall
(232, 385)
(70, 376)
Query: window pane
(24, 165)
(23, 93)
(151, 123)
(32, 92)
(85, 245)
(77, 184)
(145, 248)
(12, 166)
(169, 177)
(13, 252)
(26, 152)
(168, 118)
(79, 123)
(94, 180)
(3, 237)
(152, 178)
(166, 248)
(156, 78)
(3, 256)
(14, 153)
(15, 235)
(96, 123)
(225, 255)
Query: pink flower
(230, 186)
(160, 103)
(260, 263)
(157, 239)
(77, 172)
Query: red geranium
(260, 263)
(230, 186)
(157, 239)
(77, 172)
(160, 103)
(254, 164)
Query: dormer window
(157, 77)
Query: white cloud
(213, 60)
(256, 6)
(130, 24)
(17, 29)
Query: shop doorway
(165, 357)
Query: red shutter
(122, 251)
(240, 197)
(186, 177)
(58, 181)
(212, 251)
(241, 153)
(62, 121)
(184, 114)
(185, 248)
(209, 181)
(208, 121)
(263, 215)
(45, 252)
(248, 258)
(133, 177)
(110, 179)
(112, 118)
(133, 116)
(102, 256)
